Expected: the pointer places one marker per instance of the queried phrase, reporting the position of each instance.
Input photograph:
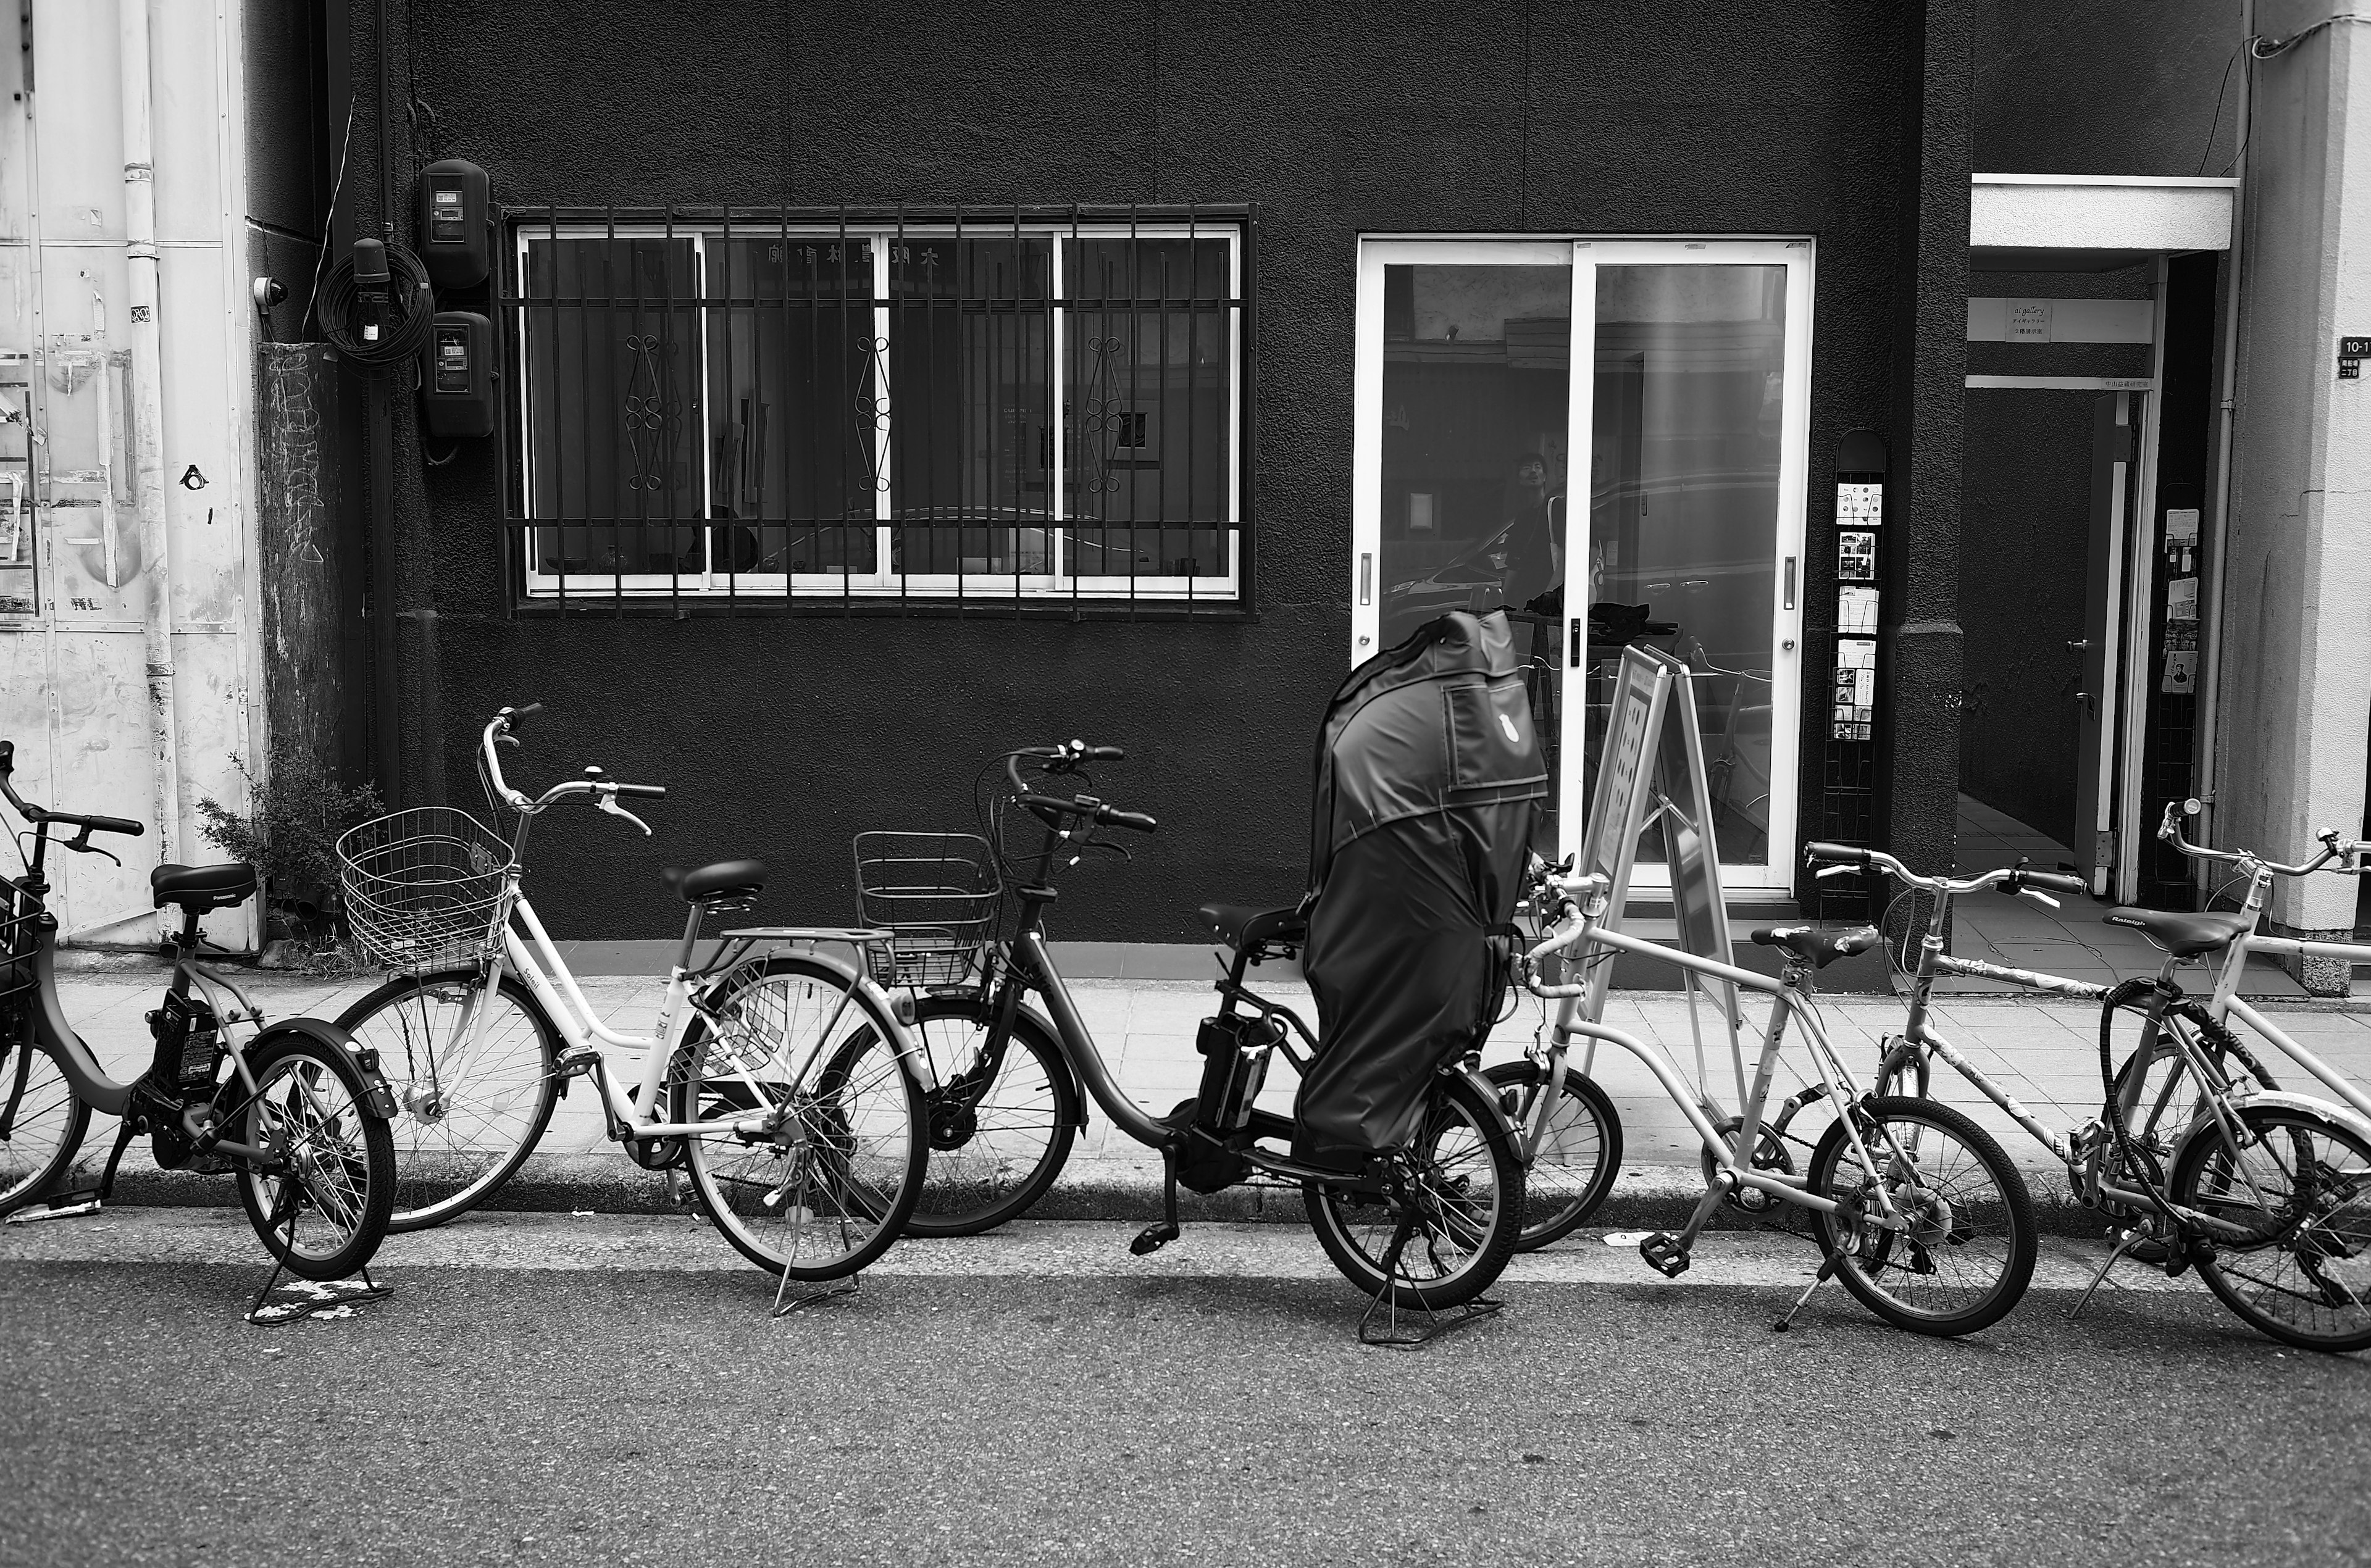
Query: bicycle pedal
(1664, 1254)
(577, 1063)
(65, 1205)
(1153, 1237)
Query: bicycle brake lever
(609, 803)
(2039, 897)
(81, 845)
(1826, 871)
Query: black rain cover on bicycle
(1428, 775)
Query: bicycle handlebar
(2016, 879)
(604, 791)
(38, 815)
(2332, 847)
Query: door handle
(2079, 645)
(1365, 579)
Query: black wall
(782, 737)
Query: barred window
(951, 409)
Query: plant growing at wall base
(289, 834)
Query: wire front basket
(423, 887)
(938, 894)
(18, 911)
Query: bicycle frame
(2225, 1003)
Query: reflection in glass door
(1686, 437)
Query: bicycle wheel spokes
(2300, 1187)
(817, 1154)
(992, 1122)
(44, 1123)
(319, 1188)
(472, 1070)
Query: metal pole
(148, 423)
(2210, 678)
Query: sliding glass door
(1607, 439)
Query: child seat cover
(1430, 774)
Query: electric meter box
(458, 391)
(455, 240)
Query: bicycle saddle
(1819, 945)
(726, 876)
(1240, 925)
(2184, 936)
(202, 887)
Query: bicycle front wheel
(41, 1121)
(818, 1144)
(321, 1200)
(1962, 1252)
(2300, 1187)
(1000, 1125)
(473, 1093)
(1462, 1199)
(1580, 1152)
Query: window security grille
(1029, 410)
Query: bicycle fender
(377, 1098)
(2344, 1116)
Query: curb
(1644, 1198)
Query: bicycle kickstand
(1387, 1300)
(1828, 1267)
(2115, 1256)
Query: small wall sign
(2352, 353)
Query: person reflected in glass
(1535, 539)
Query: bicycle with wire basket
(779, 1080)
(1426, 1229)
(2195, 1157)
(295, 1110)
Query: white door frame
(1776, 874)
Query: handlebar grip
(527, 712)
(7, 756)
(1838, 854)
(2054, 882)
(1136, 820)
(1062, 803)
(1104, 754)
(109, 825)
(644, 791)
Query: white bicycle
(780, 1079)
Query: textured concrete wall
(2105, 87)
(2296, 669)
(784, 737)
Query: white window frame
(1799, 255)
(885, 583)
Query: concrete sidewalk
(2043, 1051)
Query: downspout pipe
(2210, 679)
(148, 424)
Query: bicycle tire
(35, 1094)
(2203, 1178)
(339, 1147)
(962, 1192)
(437, 1178)
(1867, 1252)
(748, 1055)
(1454, 1103)
(1550, 1214)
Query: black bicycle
(297, 1111)
(1427, 1226)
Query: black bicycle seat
(202, 887)
(1240, 925)
(745, 877)
(1820, 945)
(2184, 936)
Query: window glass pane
(614, 408)
(1476, 365)
(1683, 500)
(970, 377)
(1146, 428)
(791, 447)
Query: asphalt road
(1088, 1413)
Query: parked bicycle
(1913, 1206)
(1428, 1227)
(2195, 1157)
(295, 1110)
(780, 1082)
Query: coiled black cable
(410, 305)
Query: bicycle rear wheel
(824, 1155)
(41, 1121)
(1464, 1184)
(321, 1206)
(1965, 1253)
(473, 1099)
(2301, 1187)
(1579, 1154)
